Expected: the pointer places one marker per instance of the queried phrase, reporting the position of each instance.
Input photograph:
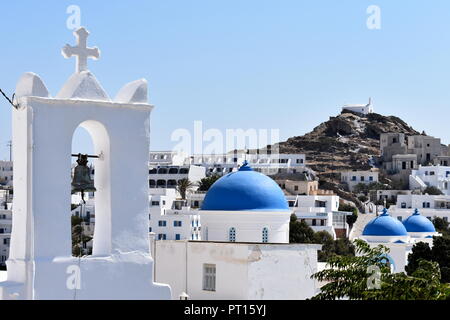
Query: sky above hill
(260, 64)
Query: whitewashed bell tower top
(40, 259)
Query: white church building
(399, 236)
(245, 231)
(364, 109)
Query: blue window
(162, 236)
(232, 234)
(370, 178)
(177, 223)
(150, 229)
(162, 223)
(177, 236)
(265, 235)
(354, 178)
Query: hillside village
(335, 179)
(318, 216)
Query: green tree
(363, 198)
(420, 251)
(441, 226)
(344, 247)
(360, 188)
(350, 277)
(347, 208)
(433, 191)
(183, 187)
(331, 247)
(440, 253)
(347, 276)
(78, 237)
(378, 186)
(299, 231)
(327, 242)
(423, 284)
(206, 183)
(365, 188)
(351, 219)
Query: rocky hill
(345, 142)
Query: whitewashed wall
(243, 271)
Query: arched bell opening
(91, 190)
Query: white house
(359, 108)
(172, 219)
(167, 158)
(5, 234)
(169, 176)
(354, 177)
(387, 195)
(431, 176)
(268, 164)
(430, 206)
(321, 213)
(6, 173)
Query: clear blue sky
(286, 64)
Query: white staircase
(416, 183)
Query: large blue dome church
(245, 206)
(418, 223)
(385, 225)
(245, 190)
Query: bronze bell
(82, 181)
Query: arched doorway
(91, 221)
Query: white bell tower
(40, 265)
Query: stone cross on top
(81, 51)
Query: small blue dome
(385, 225)
(418, 223)
(245, 190)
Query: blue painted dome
(245, 190)
(385, 225)
(418, 223)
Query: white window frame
(232, 234)
(265, 235)
(209, 277)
